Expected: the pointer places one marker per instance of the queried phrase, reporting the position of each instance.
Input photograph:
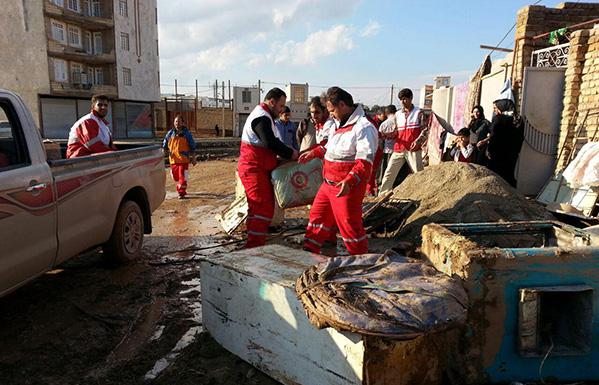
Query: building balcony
(59, 50)
(82, 90)
(556, 56)
(90, 23)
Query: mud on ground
(91, 323)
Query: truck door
(27, 207)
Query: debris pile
(455, 192)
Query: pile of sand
(455, 192)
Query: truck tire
(126, 240)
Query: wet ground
(87, 322)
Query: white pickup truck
(52, 210)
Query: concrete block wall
(581, 94)
(536, 20)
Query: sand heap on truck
(454, 192)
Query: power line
(508, 32)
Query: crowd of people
(362, 154)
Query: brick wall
(535, 20)
(581, 95)
(205, 120)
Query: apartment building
(244, 101)
(58, 53)
(297, 101)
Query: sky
(362, 46)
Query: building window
(58, 31)
(60, 70)
(59, 3)
(97, 43)
(157, 51)
(93, 8)
(246, 96)
(123, 8)
(98, 75)
(76, 70)
(156, 16)
(89, 43)
(299, 95)
(73, 5)
(74, 36)
(127, 76)
(124, 41)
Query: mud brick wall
(208, 117)
(581, 94)
(205, 119)
(536, 20)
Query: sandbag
(384, 295)
(296, 184)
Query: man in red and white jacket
(91, 134)
(348, 157)
(257, 158)
(410, 134)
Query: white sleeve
(367, 139)
(467, 151)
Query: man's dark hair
(390, 109)
(405, 93)
(378, 110)
(464, 132)
(96, 98)
(286, 110)
(336, 95)
(275, 93)
(180, 117)
(316, 101)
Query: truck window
(13, 149)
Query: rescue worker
(410, 134)
(348, 157)
(257, 158)
(378, 119)
(180, 147)
(91, 134)
(324, 123)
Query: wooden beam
(482, 46)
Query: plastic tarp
(584, 169)
(296, 184)
(382, 295)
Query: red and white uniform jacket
(465, 154)
(324, 130)
(349, 152)
(408, 129)
(253, 151)
(89, 135)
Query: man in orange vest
(180, 147)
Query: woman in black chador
(505, 142)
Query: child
(178, 144)
(462, 150)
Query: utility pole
(176, 98)
(216, 92)
(231, 108)
(195, 110)
(259, 91)
(223, 109)
(391, 102)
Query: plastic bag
(296, 184)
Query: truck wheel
(125, 242)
